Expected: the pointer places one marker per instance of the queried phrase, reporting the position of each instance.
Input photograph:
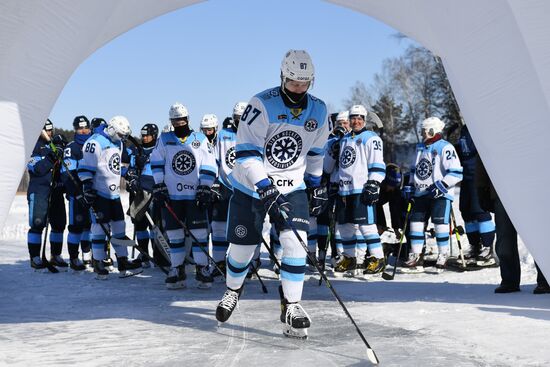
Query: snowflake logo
(183, 163)
(347, 158)
(114, 164)
(230, 158)
(423, 169)
(283, 149)
(241, 231)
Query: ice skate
(127, 268)
(204, 277)
(414, 264)
(38, 265)
(374, 266)
(345, 267)
(59, 263)
(295, 320)
(485, 257)
(227, 305)
(176, 278)
(100, 270)
(77, 265)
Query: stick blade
(372, 356)
(387, 276)
(139, 205)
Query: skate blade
(130, 273)
(177, 285)
(102, 277)
(294, 333)
(203, 285)
(416, 270)
(485, 264)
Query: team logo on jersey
(347, 158)
(283, 149)
(311, 125)
(114, 164)
(296, 113)
(230, 157)
(241, 231)
(196, 144)
(423, 169)
(183, 163)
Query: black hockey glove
(89, 194)
(274, 203)
(132, 180)
(318, 201)
(333, 189)
(203, 196)
(339, 132)
(438, 189)
(60, 142)
(371, 192)
(160, 193)
(216, 191)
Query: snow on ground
(449, 319)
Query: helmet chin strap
(288, 93)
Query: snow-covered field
(449, 319)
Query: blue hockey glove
(160, 193)
(371, 192)
(407, 192)
(438, 189)
(89, 194)
(203, 196)
(318, 201)
(274, 202)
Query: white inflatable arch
(496, 53)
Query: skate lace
(295, 311)
(229, 299)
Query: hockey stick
(159, 240)
(189, 234)
(455, 230)
(385, 275)
(255, 272)
(271, 254)
(370, 352)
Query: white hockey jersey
(101, 162)
(225, 154)
(435, 162)
(280, 143)
(183, 165)
(361, 159)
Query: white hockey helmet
(178, 111)
(209, 121)
(238, 110)
(118, 128)
(342, 116)
(432, 126)
(358, 110)
(297, 65)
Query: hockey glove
(274, 203)
(203, 196)
(89, 194)
(60, 142)
(160, 193)
(132, 180)
(333, 189)
(371, 192)
(438, 189)
(318, 201)
(216, 191)
(407, 192)
(339, 132)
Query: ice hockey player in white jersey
(209, 127)
(434, 175)
(222, 188)
(99, 172)
(280, 141)
(361, 169)
(184, 168)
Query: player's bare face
(146, 139)
(208, 131)
(344, 123)
(357, 123)
(427, 134)
(83, 130)
(297, 87)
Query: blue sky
(210, 55)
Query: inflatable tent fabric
(496, 53)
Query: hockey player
(140, 177)
(280, 141)
(209, 127)
(99, 171)
(222, 189)
(435, 173)
(361, 169)
(479, 224)
(184, 170)
(326, 220)
(45, 198)
(79, 213)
